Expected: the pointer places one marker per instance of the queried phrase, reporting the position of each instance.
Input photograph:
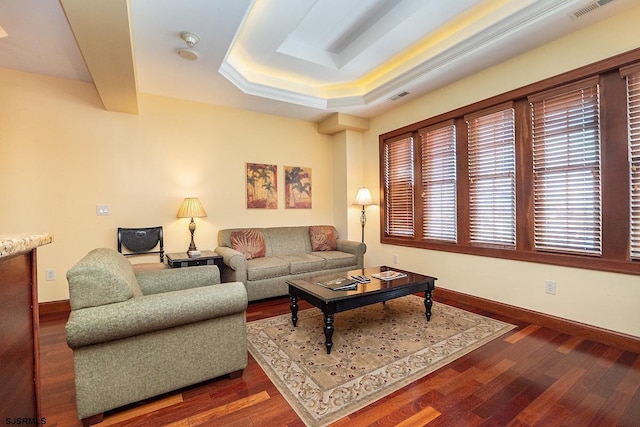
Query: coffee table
(331, 302)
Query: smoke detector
(191, 39)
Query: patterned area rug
(377, 350)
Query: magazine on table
(388, 275)
(340, 284)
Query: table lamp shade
(191, 207)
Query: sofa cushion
(323, 238)
(304, 263)
(103, 276)
(267, 267)
(337, 259)
(287, 241)
(249, 243)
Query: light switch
(102, 210)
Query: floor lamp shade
(363, 198)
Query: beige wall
(602, 299)
(61, 154)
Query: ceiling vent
(588, 8)
(398, 96)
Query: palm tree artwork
(297, 193)
(262, 186)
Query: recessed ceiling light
(3, 33)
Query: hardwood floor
(532, 376)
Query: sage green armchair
(136, 335)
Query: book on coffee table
(340, 284)
(388, 275)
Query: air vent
(588, 8)
(398, 96)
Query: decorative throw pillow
(323, 238)
(249, 243)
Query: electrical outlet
(395, 258)
(51, 274)
(550, 287)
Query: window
(438, 168)
(548, 173)
(491, 163)
(633, 116)
(399, 187)
(566, 168)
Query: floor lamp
(363, 198)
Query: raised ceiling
(299, 58)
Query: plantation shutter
(438, 160)
(632, 74)
(566, 167)
(492, 195)
(399, 187)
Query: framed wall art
(297, 191)
(262, 186)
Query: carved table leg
(294, 310)
(428, 303)
(328, 331)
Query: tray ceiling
(298, 58)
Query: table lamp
(191, 207)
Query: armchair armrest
(150, 313)
(235, 263)
(175, 279)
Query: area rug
(377, 350)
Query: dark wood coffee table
(331, 302)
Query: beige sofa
(265, 258)
(135, 335)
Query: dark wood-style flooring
(532, 376)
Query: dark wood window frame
(632, 75)
(614, 169)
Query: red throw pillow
(323, 238)
(249, 243)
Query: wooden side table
(181, 259)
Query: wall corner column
(348, 169)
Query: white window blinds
(438, 169)
(492, 197)
(399, 187)
(566, 167)
(633, 116)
